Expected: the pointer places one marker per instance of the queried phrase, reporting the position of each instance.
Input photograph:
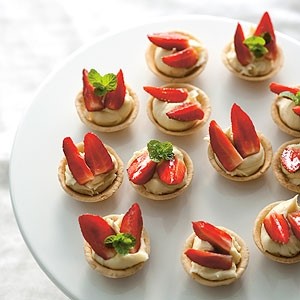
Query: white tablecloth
(37, 35)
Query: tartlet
(176, 42)
(259, 227)
(240, 265)
(79, 191)
(134, 227)
(256, 57)
(281, 173)
(183, 124)
(160, 171)
(103, 115)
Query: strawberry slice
(279, 88)
(277, 228)
(243, 54)
(167, 94)
(218, 238)
(290, 159)
(95, 230)
(296, 110)
(77, 165)
(264, 28)
(187, 111)
(186, 58)
(245, 138)
(91, 100)
(294, 220)
(141, 169)
(169, 40)
(223, 148)
(115, 99)
(132, 223)
(209, 259)
(96, 155)
(171, 171)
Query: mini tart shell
(276, 165)
(190, 172)
(278, 65)
(104, 194)
(150, 60)
(256, 237)
(277, 120)
(83, 114)
(241, 266)
(267, 163)
(202, 99)
(115, 273)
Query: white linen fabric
(36, 36)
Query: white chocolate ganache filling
(286, 113)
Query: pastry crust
(150, 53)
(267, 163)
(202, 98)
(190, 172)
(276, 165)
(278, 65)
(114, 273)
(277, 120)
(83, 114)
(241, 266)
(104, 194)
(256, 237)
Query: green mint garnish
(256, 45)
(103, 84)
(121, 242)
(159, 151)
(291, 96)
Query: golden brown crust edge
(256, 237)
(190, 172)
(103, 195)
(82, 113)
(241, 267)
(267, 163)
(202, 99)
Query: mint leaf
(159, 151)
(102, 84)
(122, 242)
(291, 96)
(256, 45)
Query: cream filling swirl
(286, 113)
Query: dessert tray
(48, 217)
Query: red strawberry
(96, 155)
(132, 223)
(279, 88)
(265, 26)
(187, 111)
(76, 162)
(141, 169)
(186, 58)
(218, 238)
(243, 54)
(171, 171)
(91, 100)
(296, 110)
(245, 138)
(209, 259)
(115, 99)
(95, 230)
(277, 228)
(167, 94)
(290, 159)
(169, 40)
(294, 220)
(223, 148)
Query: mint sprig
(121, 242)
(159, 151)
(291, 96)
(256, 45)
(102, 84)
